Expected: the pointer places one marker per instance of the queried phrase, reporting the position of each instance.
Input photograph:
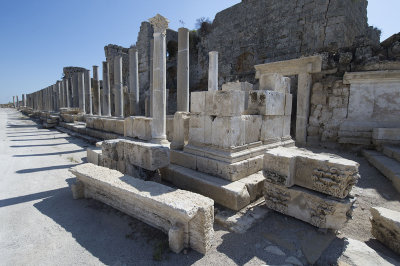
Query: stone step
(387, 166)
(392, 152)
(233, 195)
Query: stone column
(118, 86)
(106, 89)
(160, 25)
(183, 70)
(303, 110)
(17, 102)
(67, 94)
(150, 102)
(23, 100)
(81, 89)
(75, 93)
(133, 82)
(14, 101)
(213, 71)
(88, 93)
(60, 95)
(96, 91)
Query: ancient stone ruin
(227, 115)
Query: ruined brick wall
(260, 31)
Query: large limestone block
(169, 123)
(272, 128)
(200, 129)
(186, 217)
(198, 102)
(237, 86)
(233, 195)
(114, 125)
(325, 173)
(228, 132)
(275, 82)
(93, 155)
(138, 127)
(225, 103)
(288, 104)
(267, 102)
(252, 126)
(149, 156)
(386, 227)
(309, 206)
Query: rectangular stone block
(183, 159)
(331, 175)
(171, 210)
(198, 102)
(233, 195)
(275, 82)
(200, 129)
(225, 103)
(280, 167)
(309, 206)
(146, 155)
(181, 130)
(287, 121)
(93, 155)
(272, 128)
(228, 132)
(252, 126)
(267, 102)
(386, 227)
(237, 86)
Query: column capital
(159, 23)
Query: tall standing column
(17, 102)
(14, 101)
(75, 92)
(183, 70)
(23, 100)
(88, 93)
(81, 89)
(106, 89)
(151, 77)
(119, 89)
(67, 94)
(213, 71)
(96, 91)
(160, 25)
(133, 81)
(60, 95)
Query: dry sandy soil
(40, 223)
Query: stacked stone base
(311, 187)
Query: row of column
(77, 90)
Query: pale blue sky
(40, 37)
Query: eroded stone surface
(386, 227)
(172, 210)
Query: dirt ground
(40, 223)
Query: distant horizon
(42, 37)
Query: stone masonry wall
(260, 31)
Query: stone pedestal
(133, 82)
(118, 86)
(160, 25)
(213, 71)
(183, 70)
(106, 89)
(81, 90)
(96, 91)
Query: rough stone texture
(309, 206)
(181, 130)
(325, 173)
(146, 155)
(138, 127)
(114, 125)
(233, 195)
(93, 155)
(186, 217)
(386, 227)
